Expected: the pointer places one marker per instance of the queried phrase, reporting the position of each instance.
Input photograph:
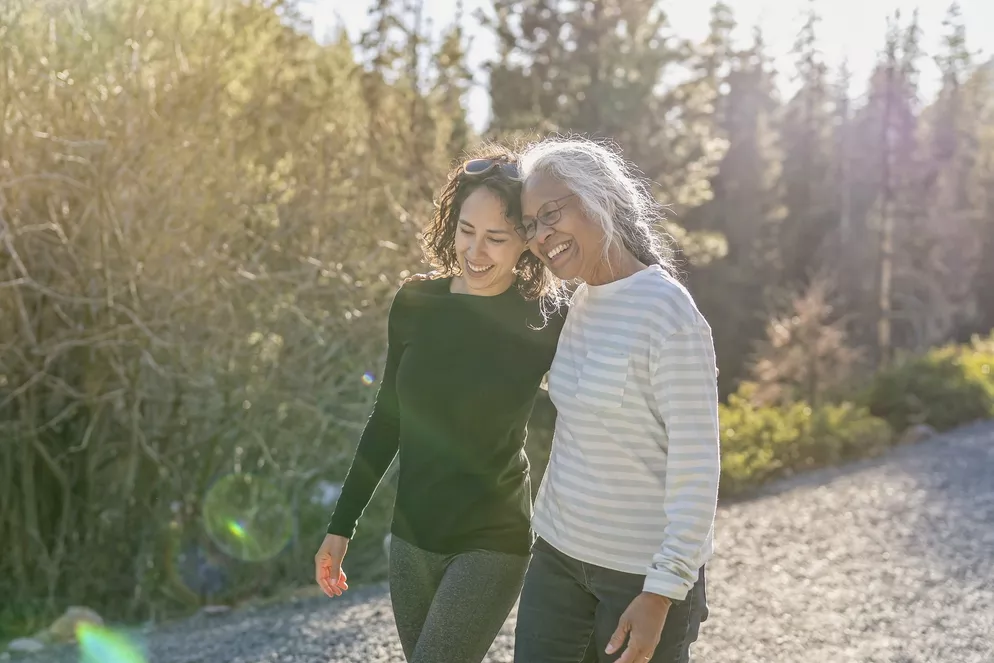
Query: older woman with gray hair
(625, 513)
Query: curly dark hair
(438, 239)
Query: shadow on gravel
(950, 507)
(947, 505)
(942, 495)
(903, 457)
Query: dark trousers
(568, 611)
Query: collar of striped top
(614, 287)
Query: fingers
(335, 577)
(618, 638)
(635, 653)
(637, 650)
(322, 574)
(330, 577)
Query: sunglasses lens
(477, 166)
(480, 166)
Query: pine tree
(886, 181)
(843, 137)
(983, 82)
(599, 69)
(452, 82)
(807, 142)
(746, 208)
(943, 245)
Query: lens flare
(368, 378)
(247, 517)
(98, 644)
(237, 529)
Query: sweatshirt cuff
(346, 530)
(666, 584)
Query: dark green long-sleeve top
(460, 382)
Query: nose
(474, 250)
(542, 233)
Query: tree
(807, 167)
(747, 204)
(886, 176)
(451, 87)
(944, 246)
(603, 69)
(201, 228)
(806, 353)
(983, 82)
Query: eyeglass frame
(529, 231)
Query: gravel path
(885, 561)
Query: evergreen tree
(452, 82)
(886, 177)
(746, 208)
(603, 69)
(807, 144)
(943, 246)
(983, 82)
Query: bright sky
(849, 28)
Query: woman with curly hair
(466, 354)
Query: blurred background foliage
(204, 213)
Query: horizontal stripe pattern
(632, 481)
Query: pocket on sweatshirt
(603, 377)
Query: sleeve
(378, 444)
(684, 381)
(553, 330)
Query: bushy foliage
(204, 213)
(943, 388)
(806, 354)
(201, 226)
(764, 443)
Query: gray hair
(610, 191)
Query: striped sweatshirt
(632, 480)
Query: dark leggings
(449, 608)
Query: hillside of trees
(204, 213)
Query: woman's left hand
(643, 623)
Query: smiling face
(487, 247)
(561, 235)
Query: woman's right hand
(328, 565)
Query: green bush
(764, 443)
(943, 388)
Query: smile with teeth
(558, 249)
(478, 269)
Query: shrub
(764, 443)
(198, 257)
(943, 388)
(806, 354)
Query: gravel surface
(890, 560)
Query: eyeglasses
(528, 227)
(477, 167)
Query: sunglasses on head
(478, 167)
